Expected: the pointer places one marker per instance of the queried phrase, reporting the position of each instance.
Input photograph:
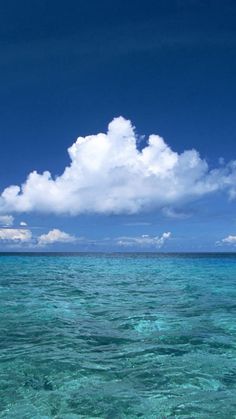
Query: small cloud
(6, 220)
(55, 236)
(15, 235)
(172, 213)
(143, 241)
(23, 223)
(221, 161)
(229, 240)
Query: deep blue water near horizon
(117, 336)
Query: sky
(118, 128)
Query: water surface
(117, 336)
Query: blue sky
(67, 70)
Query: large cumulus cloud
(108, 174)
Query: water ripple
(117, 336)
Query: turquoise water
(117, 336)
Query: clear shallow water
(117, 336)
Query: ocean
(117, 336)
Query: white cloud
(6, 220)
(172, 213)
(229, 240)
(23, 223)
(143, 241)
(108, 174)
(55, 236)
(15, 235)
